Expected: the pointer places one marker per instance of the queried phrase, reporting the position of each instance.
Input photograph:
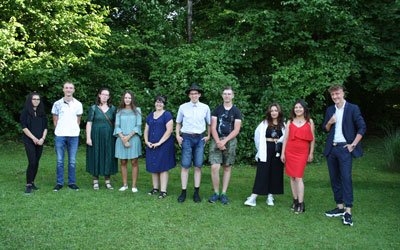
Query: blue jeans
(71, 143)
(340, 165)
(192, 148)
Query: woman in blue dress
(128, 129)
(160, 150)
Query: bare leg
(156, 183)
(197, 177)
(226, 178)
(300, 189)
(135, 171)
(184, 177)
(215, 176)
(293, 185)
(164, 181)
(124, 172)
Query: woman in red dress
(297, 150)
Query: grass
(122, 220)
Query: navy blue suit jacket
(353, 123)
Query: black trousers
(33, 152)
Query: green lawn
(109, 219)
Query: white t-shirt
(67, 113)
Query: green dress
(100, 160)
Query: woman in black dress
(34, 125)
(269, 175)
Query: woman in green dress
(100, 160)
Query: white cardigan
(261, 143)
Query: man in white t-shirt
(67, 114)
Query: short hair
(336, 87)
(228, 88)
(68, 82)
(161, 98)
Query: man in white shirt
(67, 114)
(192, 121)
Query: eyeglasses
(35, 99)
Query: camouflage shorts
(225, 157)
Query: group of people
(114, 133)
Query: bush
(392, 148)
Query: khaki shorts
(225, 157)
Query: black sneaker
(182, 197)
(196, 197)
(347, 219)
(73, 187)
(57, 187)
(224, 199)
(34, 187)
(214, 198)
(153, 191)
(28, 189)
(335, 212)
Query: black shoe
(57, 187)
(28, 189)
(153, 191)
(73, 187)
(182, 197)
(34, 187)
(196, 197)
(335, 212)
(214, 198)
(347, 219)
(162, 195)
(294, 204)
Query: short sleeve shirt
(67, 113)
(194, 117)
(226, 119)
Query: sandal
(162, 195)
(153, 191)
(96, 184)
(108, 185)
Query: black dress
(269, 176)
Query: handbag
(278, 149)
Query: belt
(192, 134)
(270, 139)
(339, 144)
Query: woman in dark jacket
(34, 125)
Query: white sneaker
(270, 200)
(134, 190)
(250, 202)
(123, 188)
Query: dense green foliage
(267, 50)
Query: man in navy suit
(346, 127)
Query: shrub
(392, 148)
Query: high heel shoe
(294, 204)
(300, 208)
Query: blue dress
(127, 121)
(162, 158)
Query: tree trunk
(189, 20)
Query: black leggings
(33, 152)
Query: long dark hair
(305, 107)
(133, 101)
(98, 101)
(268, 116)
(29, 107)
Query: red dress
(297, 149)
